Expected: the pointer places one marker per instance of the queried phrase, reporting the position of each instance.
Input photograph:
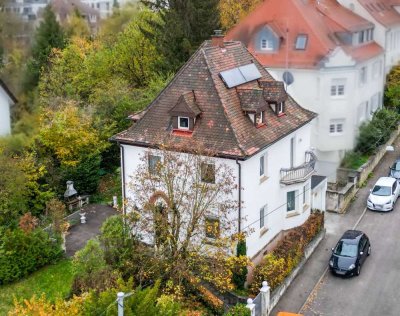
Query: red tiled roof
(222, 125)
(320, 21)
(382, 11)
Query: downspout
(240, 195)
(122, 153)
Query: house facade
(7, 100)
(386, 18)
(328, 67)
(224, 100)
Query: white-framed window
(292, 151)
(183, 122)
(291, 201)
(153, 163)
(336, 127)
(280, 107)
(301, 42)
(338, 87)
(363, 75)
(263, 165)
(306, 194)
(263, 216)
(260, 118)
(267, 44)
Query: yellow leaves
(232, 11)
(69, 134)
(41, 307)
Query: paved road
(375, 291)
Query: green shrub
(376, 132)
(240, 275)
(238, 310)
(353, 160)
(23, 253)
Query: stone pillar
(251, 307)
(265, 298)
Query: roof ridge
(221, 102)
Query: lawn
(54, 281)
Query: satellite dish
(287, 78)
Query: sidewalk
(335, 225)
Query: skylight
(301, 41)
(239, 75)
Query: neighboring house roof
(64, 8)
(7, 90)
(383, 11)
(222, 126)
(320, 21)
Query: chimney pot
(217, 39)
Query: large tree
(185, 207)
(185, 25)
(48, 35)
(232, 11)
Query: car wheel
(358, 270)
(369, 250)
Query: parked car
(350, 253)
(394, 171)
(384, 194)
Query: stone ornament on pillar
(251, 306)
(265, 298)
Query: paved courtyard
(79, 234)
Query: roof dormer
(185, 112)
(254, 105)
(267, 39)
(275, 94)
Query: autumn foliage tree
(232, 11)
(185, 207)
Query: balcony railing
(300, 173)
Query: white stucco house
(7, 100)
(225, 100)
(386, 18)
(331, 62)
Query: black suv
(350, 253)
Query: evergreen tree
(48, 35)
(185, 25)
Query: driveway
(316, 292)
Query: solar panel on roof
(232, 77)
(250, 72)
(239, 75)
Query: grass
(54, 281)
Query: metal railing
(299, 173)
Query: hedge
(23, 253)
(278, 264)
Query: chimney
(217, 39)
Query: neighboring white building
(27, 9)
(7, 100)
(386, 17)
(104, 7)
(331, 55)
(223, 99)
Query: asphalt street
(375, 292)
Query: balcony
(300, 173)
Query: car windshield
(396, 166)
(346, 249)
(381, 190)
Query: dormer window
(275, 94)
(267, 44)
(185, 113)
(259, 119)
(183, 122)
(301, 42)
(365, 36)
